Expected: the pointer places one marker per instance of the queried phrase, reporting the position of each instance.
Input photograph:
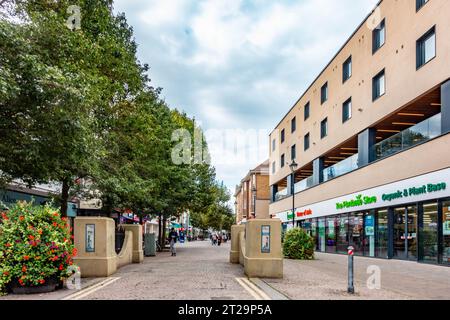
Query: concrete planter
(50, 285)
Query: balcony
(304, 184)
(410, 137)
(283, 194)
(341, 168)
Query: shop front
(407, 220)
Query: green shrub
(298, 245)
(35, 245)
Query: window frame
(377, 29)
(348, 101)
(282, 136)
(307, 111)
(322, 135)
(420, 4)
(349, 61)
(282, 160)
(322, 100)
(378, 75)
(293, 152)
(306, 138)
(422, 40)
(293, 124)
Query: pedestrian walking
(219, 239)
(173, 236)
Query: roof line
(328, 64)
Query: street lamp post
(254, 201)
(293, 167)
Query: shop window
(356, 232)
(429, 233)
(382, 233)
(321, 241)
(342, 234)
(369, 234)
(331, 223)
(446, 232)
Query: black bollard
(351, 288)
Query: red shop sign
(304, 213)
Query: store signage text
(358, 202)
(304, 213)
(411, 192)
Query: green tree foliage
(298, 245)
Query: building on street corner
(252, 194)
(371, 140)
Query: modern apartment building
(370, 141)
(252, 194)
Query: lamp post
(293, 167)
(254, 201)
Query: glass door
(446, 232)
(399, 233)
(405, 233)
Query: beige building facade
(252, 194)
(365, 150)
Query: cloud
(239, 64)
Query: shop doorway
(405, 233)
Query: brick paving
(202, 272)
(326, 278)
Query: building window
(379, 36)
(282, 160)
(324, 93)
(273, 144)
(307, 111)
(324, 128)
(282, 136)
(293, 152)
(426, 48)
(273, 167)
(306, 141)
(378, 85)
(420, 4)
(347, 110)
(347, 69)
(293, 124)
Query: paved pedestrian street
(202, 272)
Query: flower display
(35, 245)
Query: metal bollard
(351, 288)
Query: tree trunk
(64, 197)
(160, 230)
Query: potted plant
(36, 249)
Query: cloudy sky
(238, 66)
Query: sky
(238, 66)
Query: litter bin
(149, 244)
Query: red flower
(55, 224)
(74, 252)
(26, 258)
(41, 281)
(21, 218)
(8, 245)
(21, 282)
(31, 237)
(6, 273)
(24, 269)
(4, 216)
(61, 267)
(40, 231)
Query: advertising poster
(265, 239)
(370, 226)
(90, 238)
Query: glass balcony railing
(341, 168)
(304, 184)
(280, 195)
(419, 133)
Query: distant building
(252, 194)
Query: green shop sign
(359, 201)
(414, 191)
